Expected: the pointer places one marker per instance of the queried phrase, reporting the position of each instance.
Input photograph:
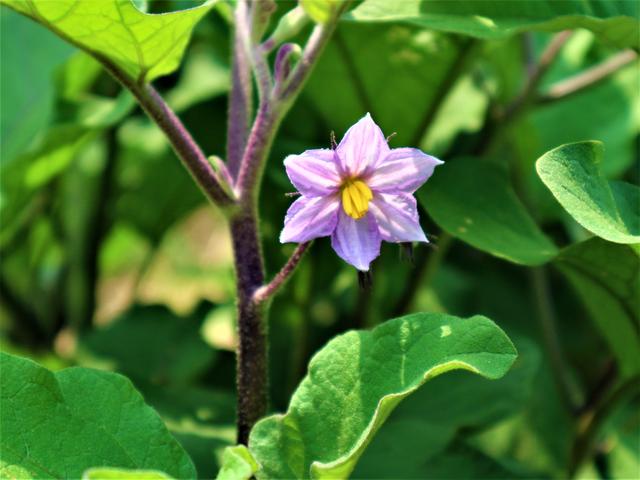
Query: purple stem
(240, 99)
(265, 292)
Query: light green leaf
(320, 11)
(142, 46)
(356, 381)
(614, 22)
(57, 425)
(610, 210)
(237, 464)
(606, 276)
(105, 473)
(473, 200)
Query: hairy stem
(240, 98)
(267, 291)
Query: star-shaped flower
(360, 193)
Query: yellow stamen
(355, 198)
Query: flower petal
(356, 241)
(397, 217)
(403, 169)
(314, 172)
(309, 218)
(362, 147)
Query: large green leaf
(356, 381)
(607, 278)
(473, 200)
(613, 22)
(57, 425)
(610, 210)
(142, 46)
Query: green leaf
(473, 200)
(104, 473)
(320, 11)
(142, 46)
(26, 89)
(237, 464)
(91, 417)
(614, 22)
(356, 381)
(610, 210)
(175, 353)
(606, 276)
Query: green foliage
(610, 210)
(174, 354)
(320, 11)
(103, 473)
(606, 276)
(614, 22)
(116, 33)
(356, 381)
(96, 418)
(472, 199)
(238, 464)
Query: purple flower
(360, 193)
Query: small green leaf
(320, 11)
(607, 278)
(105, 473)
(610, 210)
(57, 425)
(140, 45)
(614, 22)
(237, 464)
(356, 381)
(473, 200)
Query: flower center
(355, 198)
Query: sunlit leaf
(142, 46)
(610, 210)
(356, 381)
(237, 464)
(94, 418)
(104, 473)
(613, 22)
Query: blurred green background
(111, 257)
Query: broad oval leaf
(606, 276)
(473, 200)
(57, 425)
(357, 379)
(610, 210)
(142, 46)
(614, 22)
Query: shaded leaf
(606, 276)
(364, 375)
(175, 353)
(473, 200)
(614, 22)
(92, 417)
(142, 46)
(610, 210)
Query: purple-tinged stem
(252, 374)
(240, 98)
(267, 291)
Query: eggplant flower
(360, 193)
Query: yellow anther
(355, 198)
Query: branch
(180, 139)
(240, 98)
(267, 291)
(589, 78)
(537, 73)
